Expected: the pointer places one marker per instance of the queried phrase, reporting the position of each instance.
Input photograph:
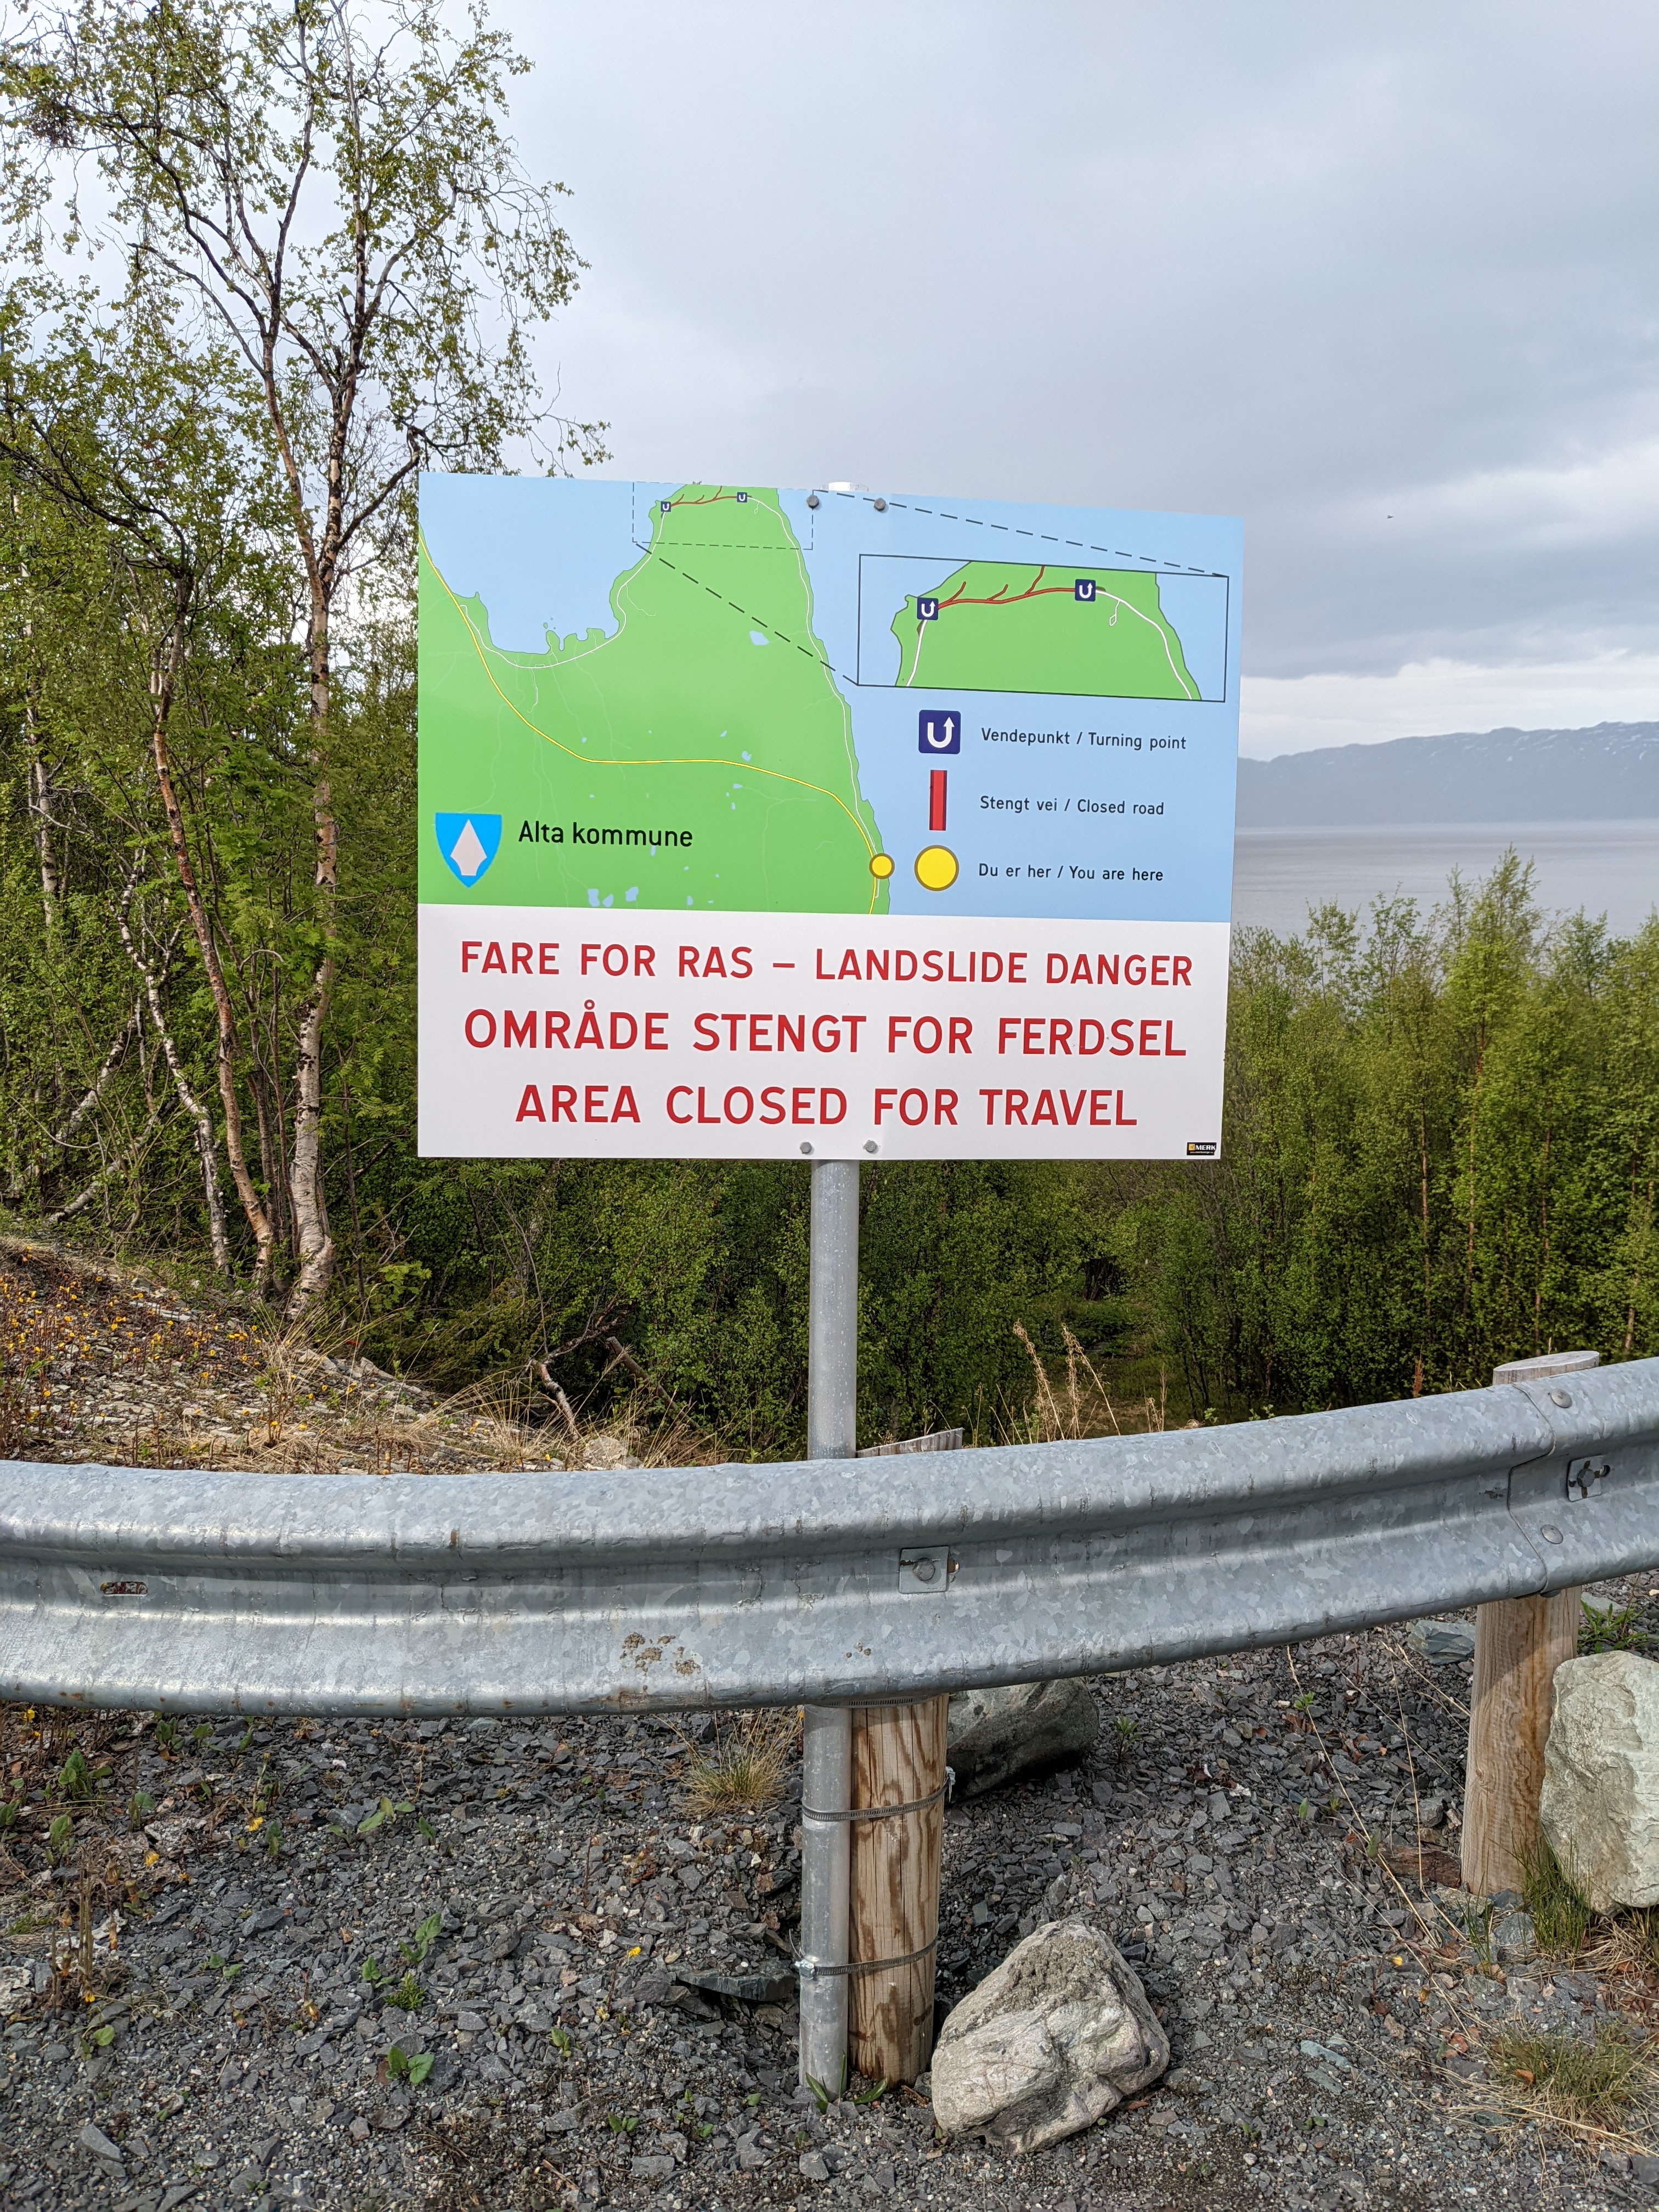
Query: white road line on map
(921, 631)
(1163, 641)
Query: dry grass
(742, 1764)
(495, 1417)
(288, 1353)
(1078, 1404)
(676, 1442)
(1581, 2083)
(1628, 1945)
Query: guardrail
(811, 1583)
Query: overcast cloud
(1379, 280)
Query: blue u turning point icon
(939, 730)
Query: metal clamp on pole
(882, 1812)
(812, 1970)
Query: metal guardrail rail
(811, 1582)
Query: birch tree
(328, 192)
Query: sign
(760, 824)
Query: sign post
(827, 1731)
(775, 824)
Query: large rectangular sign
(761, 823)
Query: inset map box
(1040, 627)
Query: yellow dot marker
(881, 866)
(936, 867)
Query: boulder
(1061, 2033)
(994, 1736)
(1600, 1806)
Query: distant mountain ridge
(1610, 772)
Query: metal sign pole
(827, 1764)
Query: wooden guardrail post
(1518, 1644)
(898, 1760)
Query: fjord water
(1609, 868)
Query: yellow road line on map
(690, 760)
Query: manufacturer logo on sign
(469, 842)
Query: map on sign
(773, 824)
(1009, 626)
(718, 698)
(695, 739)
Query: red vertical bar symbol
(936, 798)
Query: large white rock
(993, 1736)
(1599, 1806)
(1059, 2034)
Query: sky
(1379, 281)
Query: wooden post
(898, 1758)
(1518, 1644)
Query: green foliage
(1441, 1150)
(1611, 1628)
(424, 1937)
(386, 1810)
(1560, 1916)
(76, 1779)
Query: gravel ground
(446, 1962)
(522, 1913)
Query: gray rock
(1512, 1937)
(1061, 2033)
(1599, 1809)
(812, 2166)
(748, 1989)
(994, 1736)
(95, 2140)
(1441, 1643)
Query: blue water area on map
(542, 563)
(1195, 608)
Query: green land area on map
(709, 712)
(1007, 626)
